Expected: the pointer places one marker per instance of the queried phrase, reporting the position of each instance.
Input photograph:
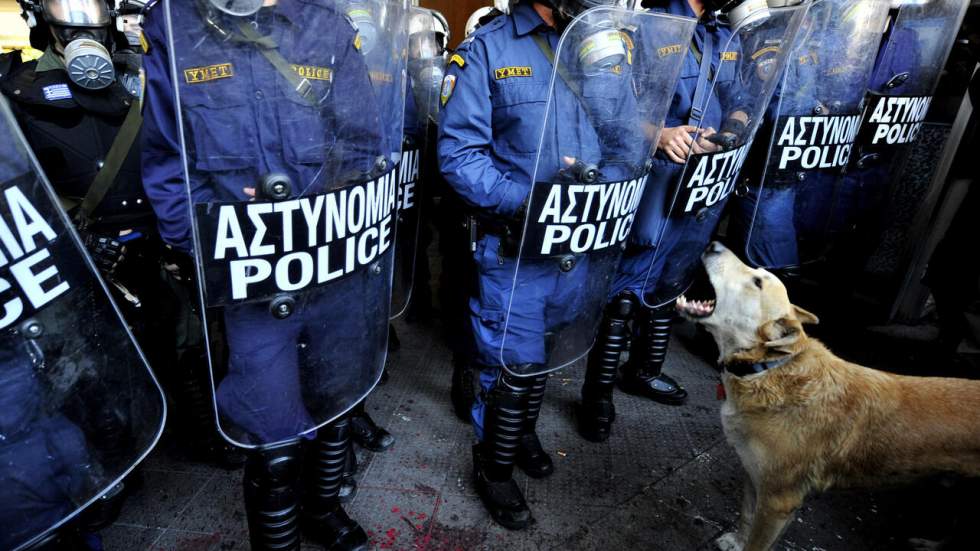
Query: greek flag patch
(57, 92)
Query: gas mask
(740, 13)
(601, 47)
(427, 41)
(367, 16)
(82, 33)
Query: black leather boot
(324, 519)
(643, 374)
(462, 393)
(494, 458)
(596, 412)
(531, 457)
(195, 413)
(348, 484)
(272, 498)
(367, 433)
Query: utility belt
(509, 234)
(481, 225)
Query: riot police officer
(79, 108)
(79, 407)
(491, 152)
(779, 219)
(283, 103)
(712, 120)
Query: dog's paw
(729, 542)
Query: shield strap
(266, 46)
(545, 48)
(702, 88)
(270, 51)
(110, 166)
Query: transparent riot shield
(426, 67)
(728, 82)
(291, 122)
(613, 73)
(79, 407)
(917, 42)
(817, 116)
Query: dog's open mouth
(699, 300)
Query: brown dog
(803, 420)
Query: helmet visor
(76, 13)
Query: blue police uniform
(676, 241)
(248, 123)
(862, 190)
(44, 460)
(769, 219)
(495, 98)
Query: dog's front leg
(735, 541)
(773, 512)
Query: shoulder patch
(197, 75)
(670, 50)
(448, 86)
(512, 72)
(458, 60)
(56, 92)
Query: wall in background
(457, 12)
(13, 29)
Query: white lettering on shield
(809, 143)
(897, 120)
(29, 277)
(580, 218)
(307, 241)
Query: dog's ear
(782, 335)
(805, 317)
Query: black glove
(178, 264)
(106, 252)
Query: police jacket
(899, 54)
(716, 99)
(70, 131)
(243, 119)
(495, 97)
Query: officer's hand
(675, 142)
(105, 251)
(250, 191)
(705, 145)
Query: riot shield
(291, 129)
(612, 78)
(818, 112)
(426, 67)
(730, 87)
(917, 42)
(79, 407)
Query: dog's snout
(714, 248)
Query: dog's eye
(757, 281)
